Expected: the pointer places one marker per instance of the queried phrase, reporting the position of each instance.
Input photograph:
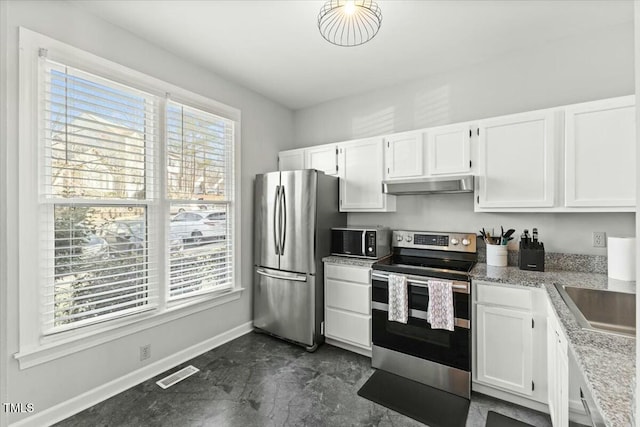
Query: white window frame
(35, 348)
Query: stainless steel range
(436, 357)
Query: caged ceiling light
(349, 22)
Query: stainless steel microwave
(361, 242)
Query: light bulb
(349, 7)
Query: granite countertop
(345, 260)
(606, 361)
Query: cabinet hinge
(533, 386)
(533, 323)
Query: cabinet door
(552, 377)
(360, 166)
(517, 160)
(563, 389)
(600, 159)
(504, 343)
(448, 149)
(291, 160)
(404, 155)
(323, 158)
(348, 327)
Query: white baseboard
(347, 346)
(86, 400)
(510, 397)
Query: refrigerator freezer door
(284, 304)
(266, 220)
(298, 206)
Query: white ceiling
(274, 47)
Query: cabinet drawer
(351, 327)
(348, 273)
(348, 296)
(500, 295)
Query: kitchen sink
(601, 310)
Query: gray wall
(266, 128)
(595, 66)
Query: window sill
(62, 347)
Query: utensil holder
(497, 255)
(531, 258)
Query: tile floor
(257, 380)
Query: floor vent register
(176, 377)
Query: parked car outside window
(124, 235)
(80, 242)
(199, 226)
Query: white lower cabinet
(505, 339)
(347, 301)
(557, 372)
(509, 344)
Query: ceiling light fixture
(349, 22)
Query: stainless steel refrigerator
(294, 213)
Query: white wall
(266, 128)
(594, 66)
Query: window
(128, 193)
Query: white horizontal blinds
(200, 188)
(97, 133)
(199, 154)
(96, 139)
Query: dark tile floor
(257, 380)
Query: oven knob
(454, 241)
(399, 238)
(408, 238)
(466, 242)
(370, 249)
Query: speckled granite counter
(607, 361)
(344, 260)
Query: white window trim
(34, 348)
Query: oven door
(416, 337)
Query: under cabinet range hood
(441, 184)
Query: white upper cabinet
(404, 155)
(516, 155)
(600, 147)
(291, 160)
(323, 158)
(449, 149)
(360, 167)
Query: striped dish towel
(440, 309)
(398, 299)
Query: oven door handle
(457, 287)
(419, 314)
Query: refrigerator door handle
(275, 276)
(283, 227)
(276, 206)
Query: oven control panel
(458, 242)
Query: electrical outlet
(145, 352)
(599, 239)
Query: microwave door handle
(283, 216)
(276, 210)
(364, 243)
